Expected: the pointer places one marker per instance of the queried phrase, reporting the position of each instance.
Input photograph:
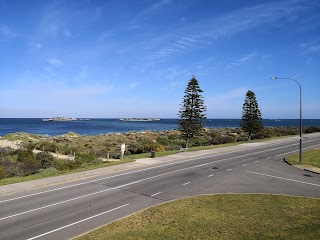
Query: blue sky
(124, 58)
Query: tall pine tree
(192, 112)
(251, 116)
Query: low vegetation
(229, 216)
(311, 157)
(91, 151)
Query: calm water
(102, 126)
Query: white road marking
(155, 194)
(186, 183)
(256, 161)
(297, 150)
(244, 165)
(124, 185)
(211, 175)
(109, 189)
(168, 164)
(229, 170)
(288, 179)
(83, 220)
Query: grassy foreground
(223, 216)
(311, 157)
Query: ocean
(103, 126)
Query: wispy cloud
(148, 11)
(6, 32)
(311, 46)
(54, 62)
(244, 59)
(206, 32)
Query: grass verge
(46, 174)
(127, 158)
(311, 157)
(223, 216)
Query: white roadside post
(123, 148)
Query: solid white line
(114, 188)
(229, 170)
(211, 175)
(136, 171)
(155, 194)
(83, 220)
(288, 179)
(127, 184)
(186, 183)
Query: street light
(300, 152)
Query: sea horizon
(96, 126)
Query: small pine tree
(192, 111)
(251, 116)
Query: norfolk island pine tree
(192, 111)
(251, 120)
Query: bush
(28, 162)
(45, 159)
(49, 171)
(312, 129)
(3, 173)
(163, 141)
(87, 157)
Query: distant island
(63, 119)
(139, 119)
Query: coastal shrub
(45, 159)
(136, 148)
(311, 129)
(28, 163)
(198, 141)
(114, 154)
(97, 161)
(3, 173)
(86, 157)
(127, 153)
(163, 141)
(48, 171)
(160, 148)
(259, 135)
(61, 165)
(225, 139)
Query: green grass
(311, 157)
(193, 149)
(46, 174)
(223, 216)
(127, 158)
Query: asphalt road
(69, 210)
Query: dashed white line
(229, 170)
(296, 150)
(256, 161)
(69, 225)
(244, 165)
(186, 183)
(288, 179)
(168, 164)
(153, 195)
(211, 175)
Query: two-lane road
(65, 211)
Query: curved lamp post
(300, 152)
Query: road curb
(285, 160)
(311, 171)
